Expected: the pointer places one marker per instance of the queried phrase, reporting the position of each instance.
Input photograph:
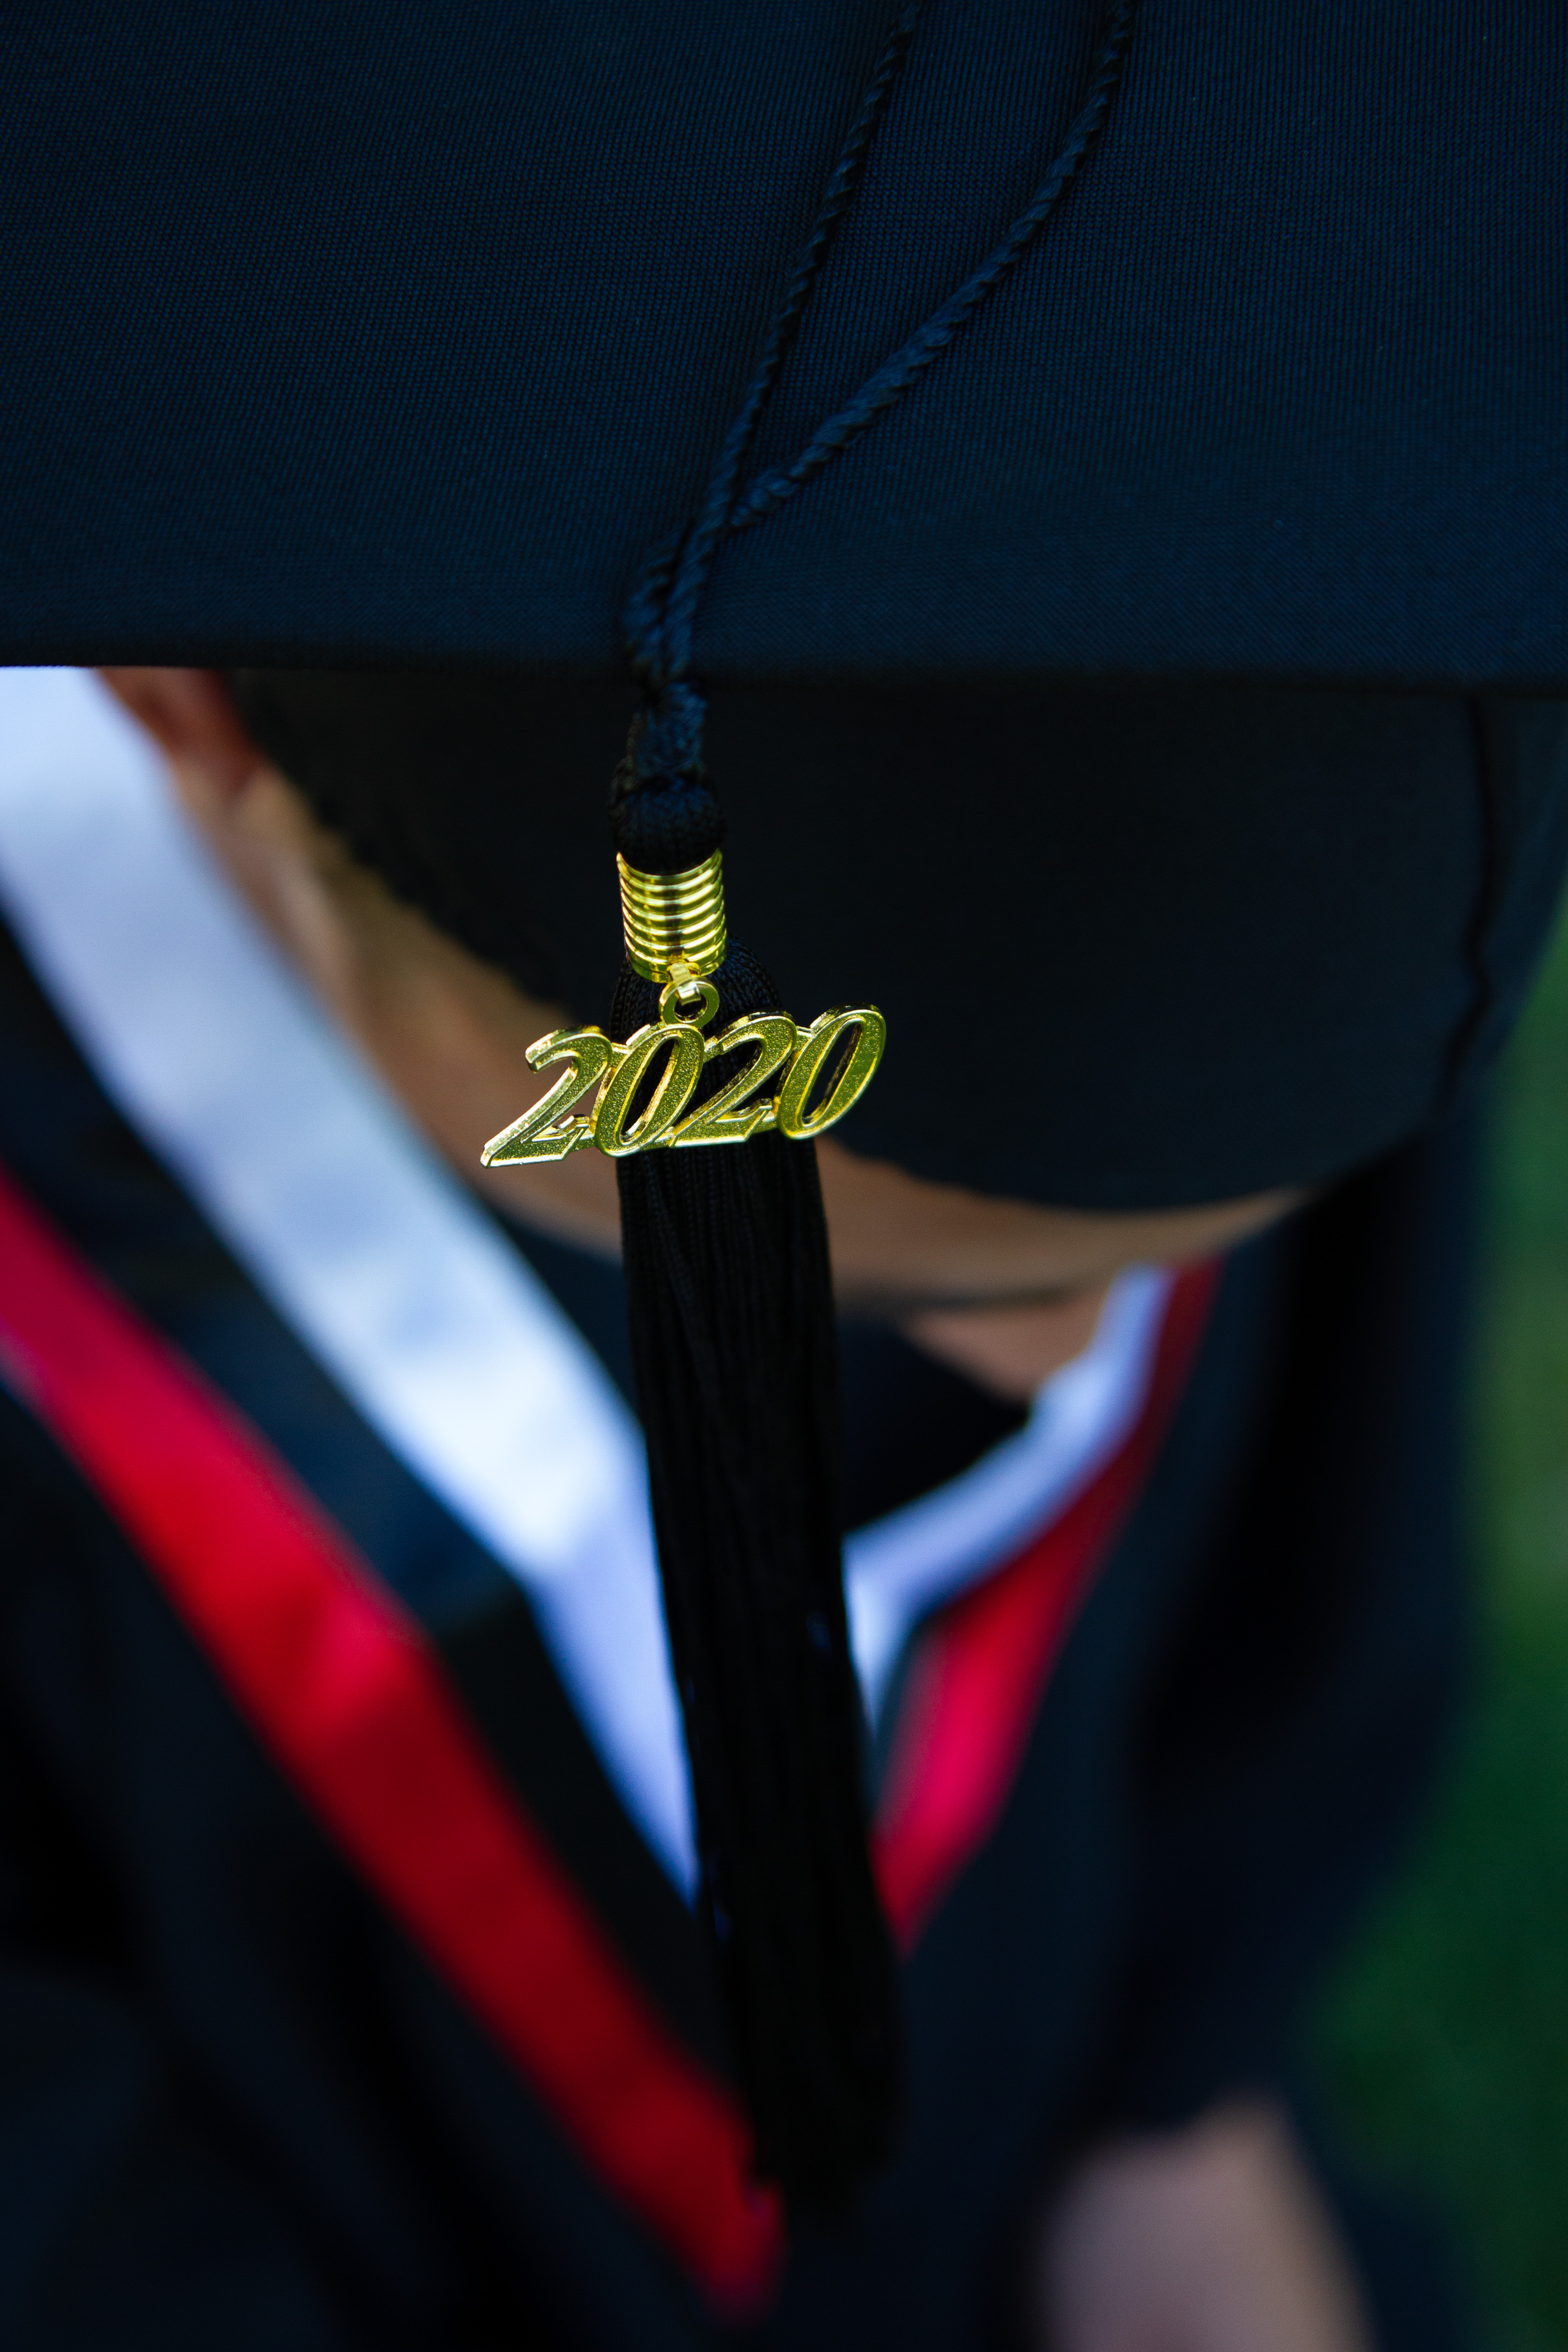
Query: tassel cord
(730, 1308)
(660, 613)
(887, 386)
(673, 620)
(731, 1325)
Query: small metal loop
(680, 1001)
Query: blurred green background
(1447, 2039)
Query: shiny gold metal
(688, 997)
(734, 1112)
(829, 1046)
(671, 919)
(681, 1043)
(826, 1068)
(674, 926)
(546, 1132)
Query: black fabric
(909, 1423)
(150, 2082)
(1227, 939)
(115, 1202)
(1205, 1908)
(500, 1665)
(1268, 1719)
(406, 340)
(235, 2107)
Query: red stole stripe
(337, 1680)
(341, 1685)
(977, 1677)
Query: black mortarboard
(402, 336)
(489, 337)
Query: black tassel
(731, 1304)
(733, 1334)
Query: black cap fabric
(349, 335)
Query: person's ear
(191, 715)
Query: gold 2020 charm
(645, 1088)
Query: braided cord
(663, 612)
(883, 390)
(660, 613)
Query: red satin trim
(977, 1679)
(337, 1681)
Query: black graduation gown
(239, 2105)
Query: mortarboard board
(333, 340)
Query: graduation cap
(807, 349)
